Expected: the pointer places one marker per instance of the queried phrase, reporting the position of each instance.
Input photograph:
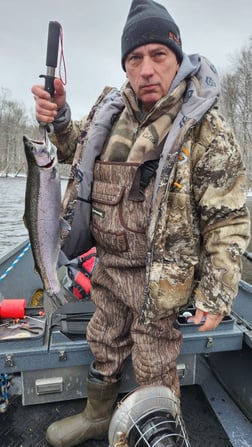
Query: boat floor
(25, 426)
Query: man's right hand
(46, 107)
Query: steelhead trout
(42, 218)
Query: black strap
(144, 173)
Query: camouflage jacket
(199, 224)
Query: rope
(62, 64)
(4, 399)
(8, 270)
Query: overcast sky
(92, 29)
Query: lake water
(13, 231)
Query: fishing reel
(148, 417)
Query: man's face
(150, 70)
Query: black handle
(51, 63)
(49, 83)
(248, 255)
(53, 44)
(52, 55)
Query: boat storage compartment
(54, 384)
(226, 337)
(22, 333)
(54, 366)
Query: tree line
(236, 101)
(236, 106)
(14, 123)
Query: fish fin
(64, 225)
(62, 259)
(65, 228)
(25, 221)
(53, 302)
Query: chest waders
(119, 228)
(118, 224)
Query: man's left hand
(211, 320)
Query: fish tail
(53, 302)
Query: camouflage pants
(118, 283)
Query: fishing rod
(53, 39)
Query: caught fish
(42, 217)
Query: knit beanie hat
(149, 22)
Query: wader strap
(144, 173)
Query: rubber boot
(93, 422)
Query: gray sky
(92, 29)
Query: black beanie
(149, 22)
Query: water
(13, 231)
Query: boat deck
(25, 426)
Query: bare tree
(14, 123)
(236, 101)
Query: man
(168, 210)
